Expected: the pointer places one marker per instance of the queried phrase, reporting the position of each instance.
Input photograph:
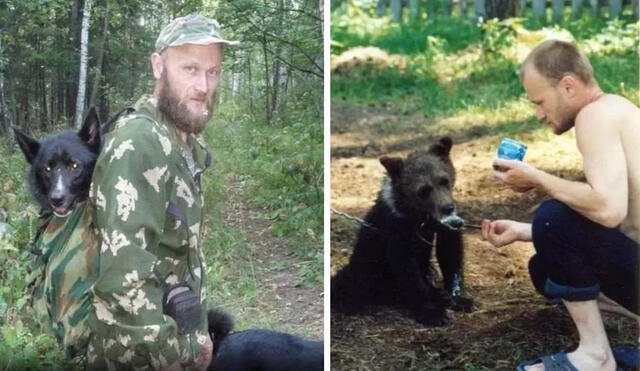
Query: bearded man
(149, 307)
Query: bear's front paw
(432, 316)
(462, 304)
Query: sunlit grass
(482, 69)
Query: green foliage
(351, 26)
(456, 67)
(282, 168)
(22, 345)
(498, 35)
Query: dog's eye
(74, 165)
(47, 169)
(444, 182)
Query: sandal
(627, 356)
(554, 362)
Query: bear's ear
(442, 147)
(394, 165)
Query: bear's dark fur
(390, 264)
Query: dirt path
(512, 322)
(290, 306)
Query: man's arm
(604, 198)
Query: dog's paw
(432, 316)
(462, 304)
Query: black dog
(390, 264)
(62, 165)
(260, 350)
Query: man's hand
(518, 175)
(503, 232)
(204, 358)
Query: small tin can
(511, 150)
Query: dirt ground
(289, 306)
(511, 323)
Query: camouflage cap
(191, 29)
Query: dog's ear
(28, 145)
(442, 147)
(394, 165)
(90, 130)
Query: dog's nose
(448, 209)
(57, 200)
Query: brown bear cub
(391, 261)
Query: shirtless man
(587, 238)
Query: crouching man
(587, 237)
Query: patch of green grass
(281, 167)
(353, 27)
(280, 170)
(443, 81)
(621, 74)
(22, 343)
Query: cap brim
(212, 40)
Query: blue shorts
(576, 258)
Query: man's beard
(177, 111)
(567, 120)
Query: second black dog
(260, 350)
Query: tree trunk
(501, 9)
(414, 10)
(396, 10)
(447, 7)
(522, 5)
(71, 85)
(275, 87)
(538, 8)
(267, 90)
(636, 8)
(576, 9)
(44, 118)
(615, 7)
(61, 94)
(558, 10)
(595, 8)
(84, 46)
(321, 12)
(5, 115)
(98, 69)
(464, 9)
(431, 9)
(381, 7)
(480, 11)
(249, 82)
(285, 87)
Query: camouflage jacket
(148, 215)
(63, 268)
